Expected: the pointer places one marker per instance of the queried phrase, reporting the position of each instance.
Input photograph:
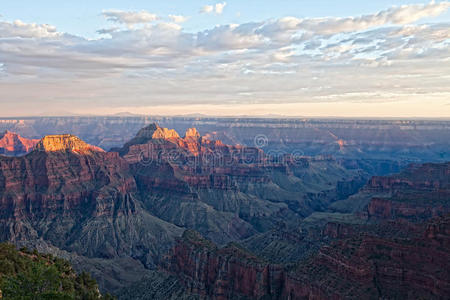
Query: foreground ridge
(57, 278)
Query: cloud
(25, 30)
(228, 37)
(108, 30)
(207, 9)
(276, 61)
(400, 15)
(217, 8)
(407, 14)
(129, 17)
(178, 18)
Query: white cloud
(178, 18)
(401, 15)
(207, 9)
(276, 61)
(130, 17)
(217, 8)
(228, 37)
(25, 30)
(407, 14)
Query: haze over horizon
(223, 58)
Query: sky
(318, 58)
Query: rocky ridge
(65, 142)
(417, 193)
(398, 141)
(233, 191)
(81, 200)
(363, 266)
(359, 257)
(113, 211)
(12, 144)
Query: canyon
(170, 216)
(357, 267)
(389, 257)
(402, 140)
(233, 191)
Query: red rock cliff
(420, 192)
(226, 273)
(62, 175)
(359, 266)
(13, 144)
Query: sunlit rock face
(65, 142)
(164, 133)
(153, 131)
(12, 144)
(192, 133)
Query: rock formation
(226, 273)
(65, 142)
(391, 141)
(192, 133)
(367, 266)
(417, 193)
(121, 215)
(229, 189)
(79, 199)
(12, 144)
(397, 254)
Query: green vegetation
(30, 275)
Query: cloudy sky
(235, 57)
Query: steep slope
(32, 275)
(289, 243)
(229, 192)
(368, 255)
(417, 193)
(368, 263)
(108, 212)
(117, 215)
(220, 273)
(79, 199)
(373, 267)
(159, 286)
(12, 144)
